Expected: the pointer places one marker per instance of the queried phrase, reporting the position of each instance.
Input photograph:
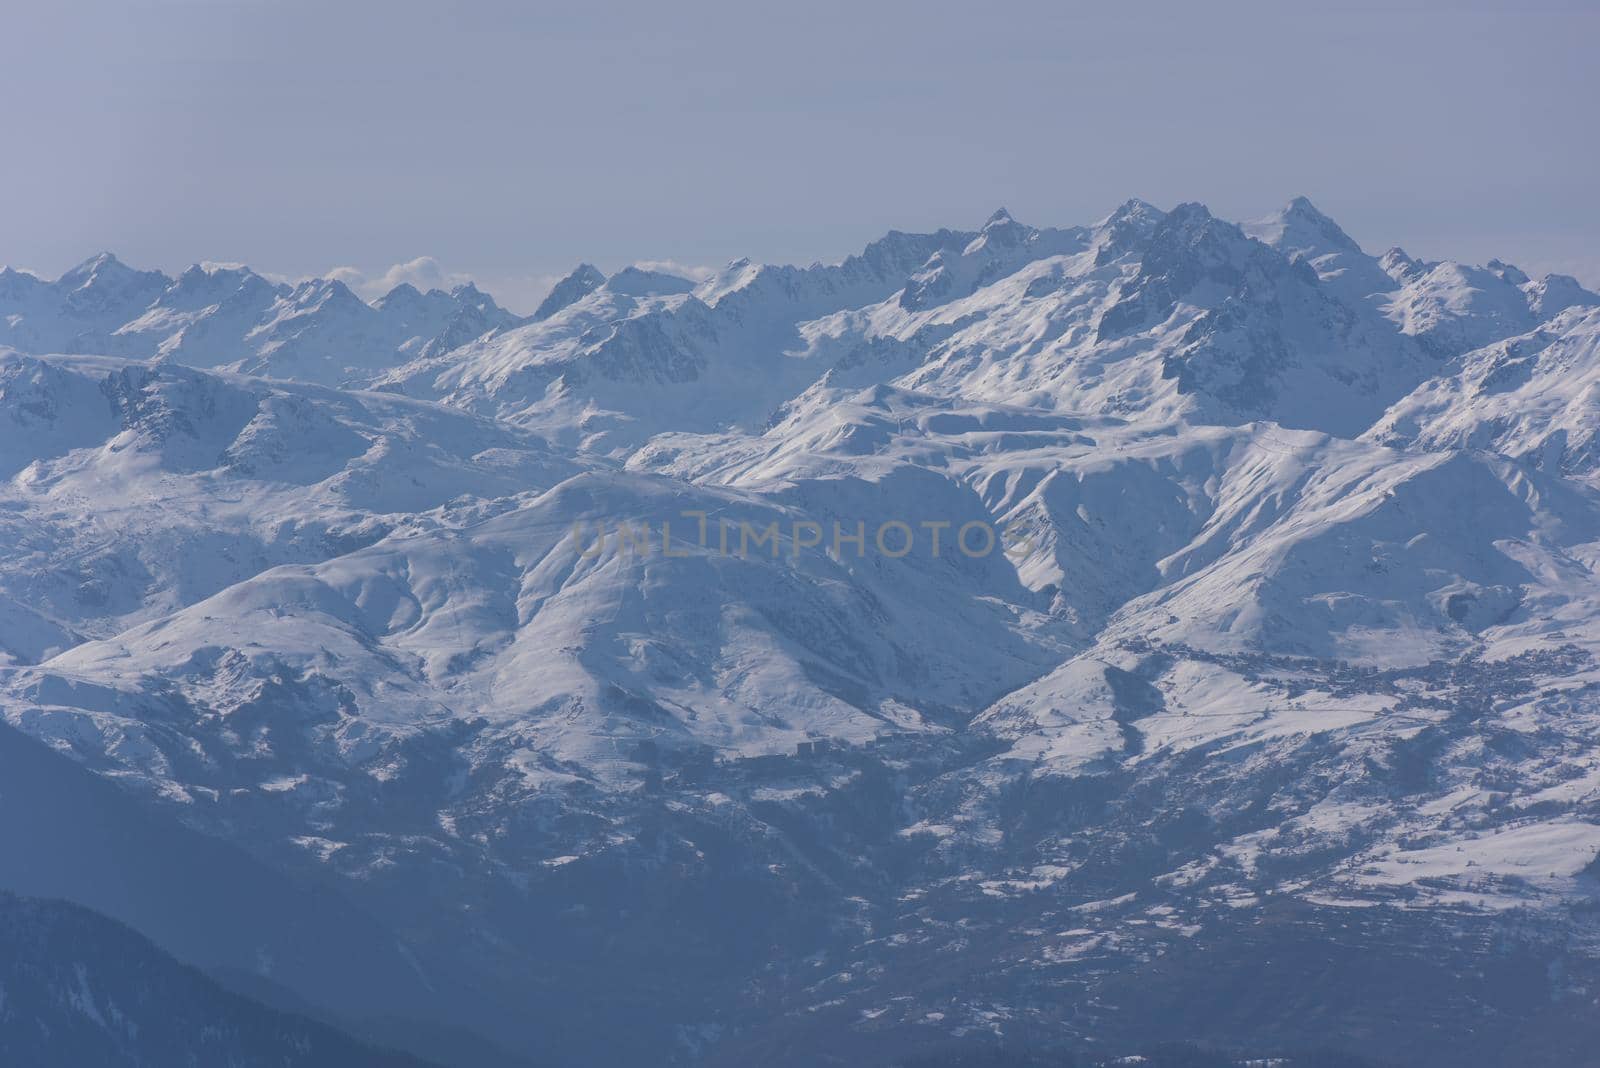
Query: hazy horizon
(305, 141)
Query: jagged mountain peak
(19, 288)
(583, 280)
(1126, 229)
(204, 284)
(324, 293)
(999, 231)
(407, 299)
(1507, 272)
(403, 291)
(1188, 214)
(1189, 237)
(1555, 293)
(105, 274)
(1130, 210)
(197, 273)
(468, 295)
(94, 265)
(1300, 228)
(1301, 208)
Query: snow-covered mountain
(1534, 397)
(1174, 315)
(229, 317)
(635, 665)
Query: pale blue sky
(510, 141)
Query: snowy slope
(1534, 397)
(1287, 639)
(135, 488)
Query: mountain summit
(1055, 639)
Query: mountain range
(1269, 719)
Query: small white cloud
(682, 270)
(353, 277)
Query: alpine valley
(1274, 728)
